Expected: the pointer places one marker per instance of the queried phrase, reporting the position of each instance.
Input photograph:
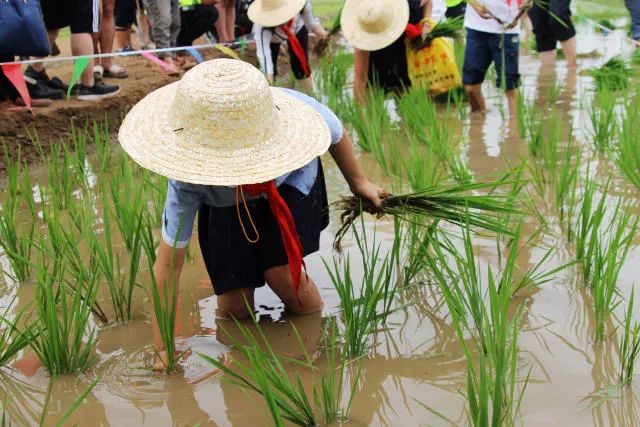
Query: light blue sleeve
(334, 123)
(181, 206)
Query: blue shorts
(483, 49)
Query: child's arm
(312, 23)
(427, 9)
(343, 155)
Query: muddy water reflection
(416, 359)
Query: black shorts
(124, 13)
(296, 65)
(552, 24)
(82, 16)
(233, 262)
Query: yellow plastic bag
(433, 68)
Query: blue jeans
(634, 11)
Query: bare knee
(307, 298)
(237, 304)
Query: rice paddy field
(530, 320)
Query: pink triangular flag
(15, 76)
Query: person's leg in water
(551, 25)
(633, 6)
(505, 50)
(477, 58)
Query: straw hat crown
(271, 13)
(218, 109)
(374, 24)
(222, 124)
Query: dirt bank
(53, 122)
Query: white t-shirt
(438, 10)
(499, 9)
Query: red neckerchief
(284, 218)
(296, 47)
(413, 31)
(519, 3)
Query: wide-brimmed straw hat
(222, 124)
(374, 24)
(271, 13)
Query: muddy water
(416, 359)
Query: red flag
(15, 76)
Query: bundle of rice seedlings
(322, 45)
(449, 203)
(450, 28)
(613, 75)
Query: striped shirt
(265, 36)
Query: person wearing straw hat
(285, 21)
(376, 28)
(244, 157)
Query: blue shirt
(184, 199)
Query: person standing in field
(285, 21)
(375, 28)
(551, 23)
(488, 41)
(244, 157)
(103, 43)
(165, 19)
(633, 6)
(226, 23)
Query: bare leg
(512, 100)
(221, 23)
(143, 24)
(231, 20)
(235, 304)
(307, 300)
(476, 99)
(569, 47)
(123, 38)
(107, 31)
(548, 58)
(82, 44)
(306, 85)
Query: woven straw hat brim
(273, 18)
(365, 40)
(300, 136)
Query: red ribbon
(15, 76)
(296, 47)
(413, 31)
(284, 218)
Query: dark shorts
(82, 16)
(296, 65)
(124, 13)
(233, 262)
(483, 49)
(457, 10)
(552, 24)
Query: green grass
(604, 122)
(366, 306)
(276, 379)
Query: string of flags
(13, 70)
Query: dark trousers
(7, 91)
(296, 64)
(196, 21)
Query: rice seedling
(371, 121)
(74, 407)
(422, 168)
(604, 121)
(629, 344)
(335, 28)
(165, 301)
(627, 151)
(12, 340)
(102, 144)
(603, 241)
(493, 394)
(62, 180)
(613, 75)
(366, 306)
(269, 375)
(566, 177)
(450, 203)
(63, 338)
(421, 117)
(332, 75)
(16, 246)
